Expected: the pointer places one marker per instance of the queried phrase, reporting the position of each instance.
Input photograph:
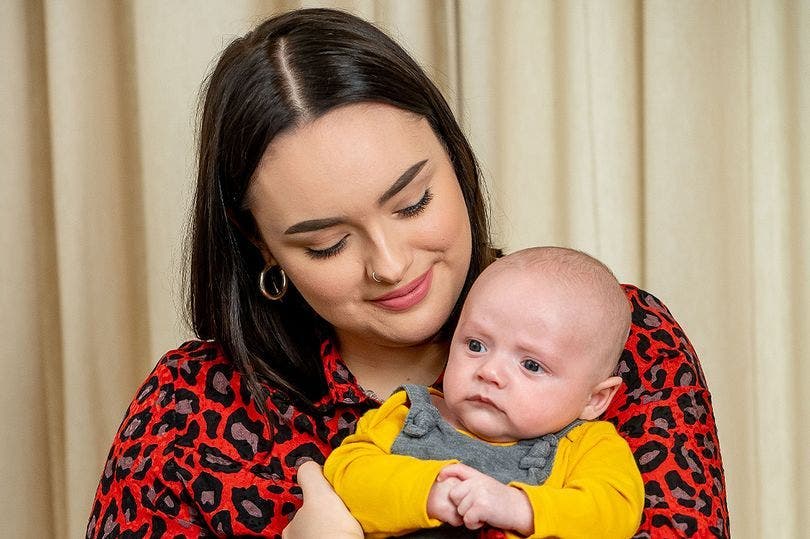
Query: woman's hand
(323, 513)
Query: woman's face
(365, 191)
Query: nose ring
(374, 276)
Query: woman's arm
(664, 412)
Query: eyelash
(539, 370)
(329, 252)
(410, 211)
(419, 207)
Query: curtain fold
(669, 139)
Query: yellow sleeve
(386, 493)
(594, 490)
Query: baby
(512, 442)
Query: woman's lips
(407, 296)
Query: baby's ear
(601, 395)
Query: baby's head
(536, 345)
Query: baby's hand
(480, 500)
(439, 505)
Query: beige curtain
(671, 139)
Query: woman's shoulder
(197, 370)
(193, 429)
(658, 353)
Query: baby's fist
(439, 504)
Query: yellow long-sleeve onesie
(594, 490)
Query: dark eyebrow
(401, 182)
(313, 224)
(318, 224)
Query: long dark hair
(289, 70)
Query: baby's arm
(386, 493)
(479, 499)
(599, 493)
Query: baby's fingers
(458, 470)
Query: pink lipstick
(407, 296)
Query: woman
(337, 226)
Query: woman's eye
(419, 207)
(531, 365)
(329, 251)
(476, 346)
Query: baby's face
(523, 360)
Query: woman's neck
(382, 369)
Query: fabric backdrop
(670, 139)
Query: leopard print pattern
(194, 457)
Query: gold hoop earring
(278, 290)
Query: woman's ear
(600, 398)
(251, 232)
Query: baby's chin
(487, 434)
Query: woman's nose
(389, 258)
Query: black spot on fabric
(172, 472)
(686, 524)
(109, 527)
(136, 426)
(207, 491)
(275, 489)
(186, 402)
(168, 503)
(221, 523)
(142, 468)
(271, 470)
(214, 459)
(149, 387)
(654, 496)
(288, 509)
(212, 420)
(108, 474)
(253, 511)
(169, 421)
(283, 433)
(685, 376)
(704, 503)
(634, 427)
(643, 348)
(125, 464)
(303, 424)
(166, 394)
(190, 437)
(304, 451)
(129, 506)
(663, 336)
(662, 420)
(245, 435)
(650, 455)
(657, 375)
(188, 371)
(140, 533)
(218, 385)
(682, 491)
(158, 528)
(688, 460)
(322, 431)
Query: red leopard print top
(194, 458)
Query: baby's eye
(531, 365)
(474, 345)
